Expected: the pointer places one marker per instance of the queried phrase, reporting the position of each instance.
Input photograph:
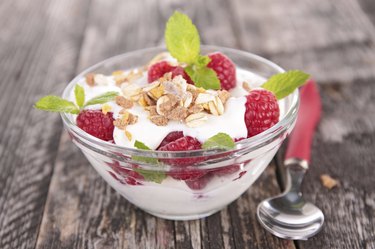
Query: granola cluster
(173, 99)
(165, 99)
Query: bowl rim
(252, 143)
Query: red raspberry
(199, 183)
(181, 71)
(262, 111)
(182, 144)
(182, 170)
(224, 68)
(227, 170)
(157, 70)
(124, 175)
(97, 124)
(172, 136)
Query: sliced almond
(131, 91)
(196, 120)
(204, 98)
(246, 86)
(188, 99)
(224, 95)
(216, 106)
(151, 86)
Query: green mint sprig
(219, 141)
(283, 84)
(54, 103)
(183, 43)
(149, 175)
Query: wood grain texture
(39, 45)
(80, 207)
(332, 40)
(344, 149)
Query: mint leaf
(142, 146)
(53, 103)
(79, 93)
(283, 84)
(182, 38)
(103, 98)
(202, 61)
(220, 141)
(203, 77)
(151, 175)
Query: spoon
(288, 215)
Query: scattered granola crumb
(128, 135)
(90, 79)
(159, 120)
(223, 95)
(106, 108)
(328, 181)
(127, 118)
(123, 102)
(246, 86)
(152, 110)
(179, 113)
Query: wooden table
(51, 198)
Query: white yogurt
(231, 122)
(172, 198)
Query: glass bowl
(183, 185)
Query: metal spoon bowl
(288, 215)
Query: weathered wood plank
(96, 216)
(333, 40)
(81, 210)
(39, 45)
(343, 148)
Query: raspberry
(199, 183)
(262, 111)
(172, 136)
(182, 144)
(97, 124)
(182, 170)
(227, 170)
(224, 68)
(157, 70)
(186, 173)
(181, 71)
(124, 175)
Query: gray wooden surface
(51, 198)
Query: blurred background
(47, 190)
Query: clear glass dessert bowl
(216, 177)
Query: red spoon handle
(299, 145)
